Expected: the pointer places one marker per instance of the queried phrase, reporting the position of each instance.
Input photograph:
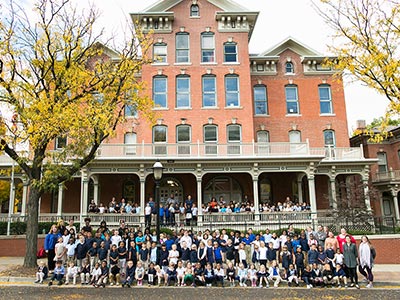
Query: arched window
(234, 134)
(329, 138)
(207, 47)
(160, 91)
(182, 47)
(160, 139)
(209, 91)
(160, 53)
(289, 68)
(260, 99)
(295, 139)
(232, 95)
(262, 141)
(183, 136)
(292, 99)
(230, 52)
(194, 10)
(325, 99)
(130, 139)
(182, 91)
(210, 139)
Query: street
(45, 292)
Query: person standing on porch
(147, 215)
(49, 245)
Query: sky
(277, 20)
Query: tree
(62, 80)
(367, 35)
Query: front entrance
(170, 186)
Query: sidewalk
(384, 275)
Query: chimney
(361, 124)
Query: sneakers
(50, 283)
(267, 286)
(369, 285)
(59, 283)
(112, 283)
(357, 287)
(36, 281)
(339, 286)
(260, 286)
(309, 286)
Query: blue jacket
(50, 241)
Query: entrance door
(170, 186)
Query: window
(211, 139)
(292, 103)
(230, 52)
(234, 136)
(209, 91)
(295, 140)
(60, 143)
(160, 53)
(207, 47)
(160, 91)
(329, 138)
(183, 136)
(131, 110)
(232, 90)
(160, 139)
(262, 140)
(289, 68)
(382, 162)
(325, 99)
(129, 141)
(194, 10)
(182, 91)
(182, 47)
(260, 100)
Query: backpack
(41, 253)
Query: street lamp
(157, 173)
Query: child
(102, 252)
(72, 272)
(339, 275)
(327, 275)
(217, 253)
(144, 255)
(230, 273)
(58, 273)
(171, 273)
(114, 274)
(160, 274)
(60, 251)
(96, 273)
(316, 275)
(71, 249)
(299, 261)
(339, 258)
(104, 275)
(151, 273)
(263, 275)
(252, 275)
(313, 255)
(114, 256)
(271, 254)
(173, 255)
(180, 272)
(42, 272)
(219, 274)
(307, 277)
(242, 275)
(189, 276)
(139, 273)
(93, 255)
(193, 255)
(274, 273)
(116, 238)
(286, 258)
(292, 275)
(242, 255)
(209, 275)
(122, 255)
(129, 275)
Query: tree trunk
(32, 227)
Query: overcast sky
(278, 19)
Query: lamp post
(157, 173)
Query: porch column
(96, 189)
(142, 198)
(333, 192)
(25, 186)
(60, 199)
(256, 200)
(396, 203)
(311, 191)
(366, 193)
(300, 187)
(199, 202)
(84, 195)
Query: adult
(350, 256)
(50, 244)
(366, 256)
(71, 226)
(93, 207)
(332, 241)
(321, 236)
(341, 238)
(87, 227)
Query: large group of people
(128, 256)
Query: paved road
(44, 292)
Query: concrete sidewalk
(384, 275)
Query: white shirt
(115, 239)
(263, 253)
(173, 256)
(96, 272)
(147, 210)
(188, 241)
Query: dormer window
(289, 68)
(194, 10)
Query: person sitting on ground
(230, 273)
(242, 275)
(274, 274)
(189, 276)
(114, 274)
(209, 275)
(307, 277)
(161, 275)
(292, 275)
(95, 274)
(85, 272)
(151, 274)
(171, 272)
(327, 275)
(42, 272)
(129, 274)
(72, 272)
(180, 272)
(316, 275)
(339, 275)
(139, 273)
(263, 275)
(58, 273)
(104, 275)
(219, 274)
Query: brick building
(257, 127)
(385, 175)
